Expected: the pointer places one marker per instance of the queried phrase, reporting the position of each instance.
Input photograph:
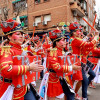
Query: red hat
(10, 26)
(74, 26)
(36, 38)
(55, 35)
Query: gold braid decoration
(5, 49)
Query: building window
(19, 6)
(47, 17)
(38, 19)
(24, 20)
(98, 23)
(85, 5)
(37, 1)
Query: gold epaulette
(53, 52)
(5, 49)
(78, 38)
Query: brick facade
(60, 11)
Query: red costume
(10, 73)
(54, 86)
(55, 69)
(94, 56)
(80, 48)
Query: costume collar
(59, 48)
(15, 45)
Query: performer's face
(61, 43)
(17, 38)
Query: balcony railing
(77, 7)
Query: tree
(5, 13)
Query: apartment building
(46, 15)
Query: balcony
(76, 7)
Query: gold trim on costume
(14, 31)
(18, 70)
(54, 58)
(51, 52)
(53, 82)
(59, 67)
(55, 64)
(6, 50)
(10, 68)
(59, 38)
(82, 43)
(4, 67)
(6, 62)
(20, 96)
(25, 68)
(66, 68)
(93, 41)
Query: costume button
(18, 86)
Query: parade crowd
(64, 64)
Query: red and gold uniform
(9, 71)
(81, 48)
(94, 56)
(54, 86)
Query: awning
(16, 1)
(21, 17)
(14, 18)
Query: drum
(70, 60)
(30, 76)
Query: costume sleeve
(81, 43)
(85, 47)
(89, 45)
(54, 63)
(7, 67)
(96, 52)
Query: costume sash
(8, 93)
(43, 87)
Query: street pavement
(94, 93)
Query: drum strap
(51, 70)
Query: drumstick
(89, 24)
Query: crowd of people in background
(66, 59)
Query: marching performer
(39, 51)
(82, 49)
(56, 83)
(77, 76)
(94, 57)
(12, 74)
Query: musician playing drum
(9, 71)
(82, 49)
(56, 70)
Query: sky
(97, 7)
